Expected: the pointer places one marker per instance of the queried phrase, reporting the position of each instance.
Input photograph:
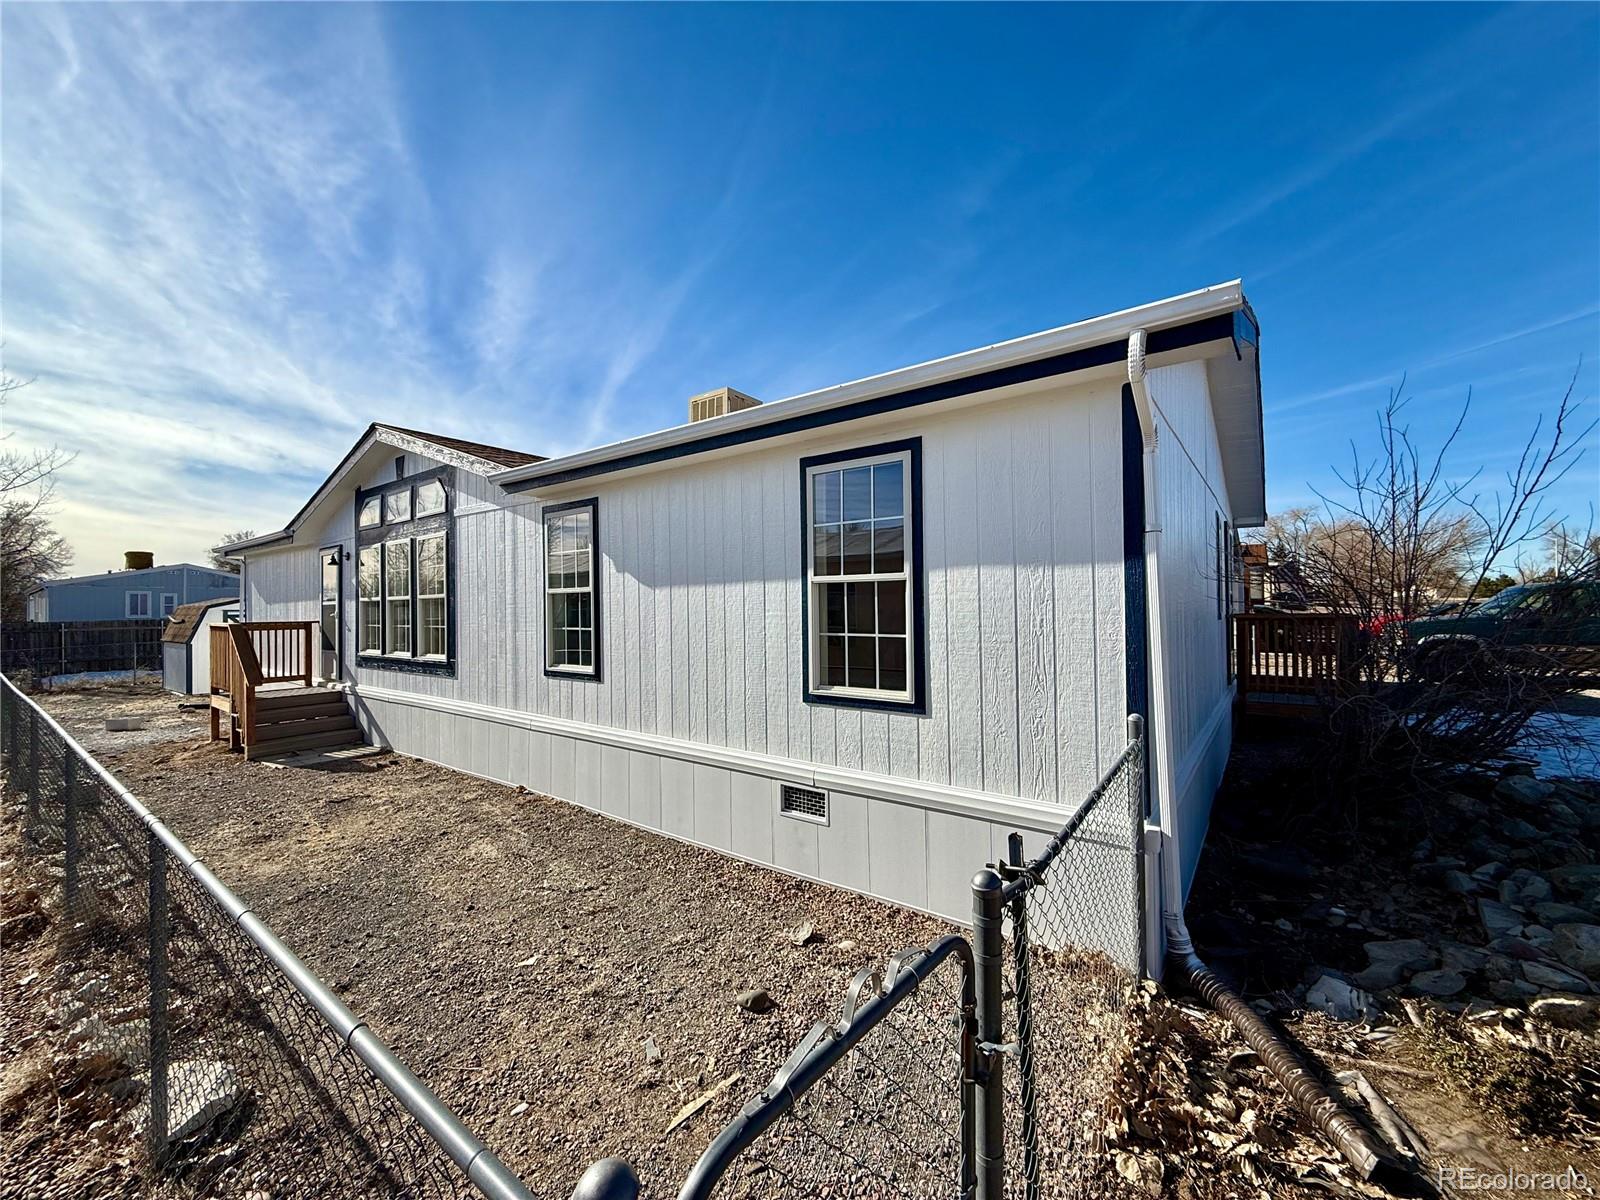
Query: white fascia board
(1178, 310)
(378, 434)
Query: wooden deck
(1293, 665)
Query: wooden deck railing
(1293, 659)
(246, 655)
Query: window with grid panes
(859, 574)
(431, 598)
(571, 596)
(397, 596)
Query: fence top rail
(872, 997)
(492, 1178)
(1032, 873)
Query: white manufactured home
(861, 635)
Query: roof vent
(138, 560)
(718, 403)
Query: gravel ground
(517, 951)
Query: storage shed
(186, 644)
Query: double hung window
(572, 593)
(861, 577)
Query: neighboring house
(186, 643)
(149, 593)
(860, 635)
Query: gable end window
(863, 577)
(405, 575)
(572, 589)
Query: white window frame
(127, 606)
(816, 585)
(390, 600)
(168, 609)
(372, 519)
(552, 515)
(362, 601)
(418, 595)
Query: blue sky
(232, 236)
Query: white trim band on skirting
(1036, 815)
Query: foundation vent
(719, 403)
(804, 804)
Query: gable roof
(477, 457)
(186, 618)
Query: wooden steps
(263, 696)
(309, 741)
(301, 721)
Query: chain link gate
(880, 1102)
(909, 1093)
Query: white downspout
(1160, 831)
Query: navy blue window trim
(1208, 329)
(551, 510)
(918, 704)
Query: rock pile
(1525, 876)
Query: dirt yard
(519, 952)
(83, 709)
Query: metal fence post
(1025, 1083)
(69, 797)
(988, 940)
(157, 1133)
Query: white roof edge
(1175, 310)
(262, 539)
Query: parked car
(1450, 608)
(1537, 622)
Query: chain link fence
(971, 1068)
(1074, 912)
(239, 1072)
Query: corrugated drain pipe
(1343, 1130)
(1313, 1099)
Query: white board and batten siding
(1195, 638)
(699, 717)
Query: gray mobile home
(860, 635)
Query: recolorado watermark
(1475, 1179)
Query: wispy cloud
(1412, 371)
(221, 260)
